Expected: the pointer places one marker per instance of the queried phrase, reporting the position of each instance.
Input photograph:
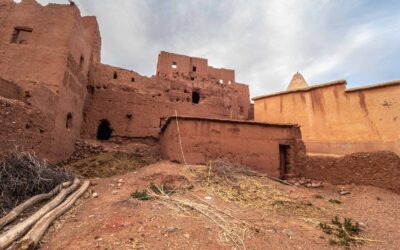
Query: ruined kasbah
(100, 157)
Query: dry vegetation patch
(22, 176)
(107, 164)
(234, 183)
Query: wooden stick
(18, 231)
(30, 203)
(279, 180)
(32, 238)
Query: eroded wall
(135, 105)
(175, 66)
(50, 61)
(247, 143)
(334, 120)
(45, 56)
(379, 169)
(23, 127)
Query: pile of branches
(22, 175)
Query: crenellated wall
(334, 120)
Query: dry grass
(233, 229)
(233, 184)
(106, 164)
(247, 189)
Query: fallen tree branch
(32, 238)
(30, 203)
(18, 230)
(278, 180)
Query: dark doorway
(283, 160)
(195, 97)
(104, 130)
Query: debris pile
(84, 149)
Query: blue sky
(266, 42)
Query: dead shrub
(23, 175)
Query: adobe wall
(23, 127)
(45, 56)
(174, 66)
(134, 105)
(251, 144)
(334, 120)
(380, 169)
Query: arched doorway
(104, 130)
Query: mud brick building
(55, 90)
(334, 119)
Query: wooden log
(32, 238)
(21, 228)
(30, 203)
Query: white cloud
(264, 41)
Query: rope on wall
(179, 135)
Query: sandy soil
(277, 216)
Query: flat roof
(301, 89)
(250, 122)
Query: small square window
(194, 68)
(21, 35)
(174, 66)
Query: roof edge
(322, 85)
(250, 122)
(375, 85)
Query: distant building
(336, 120)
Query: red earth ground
(277, 216)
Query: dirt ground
(245, 212)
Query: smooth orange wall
(337, 121)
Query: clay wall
(24, 127)
(46, 52)
(334, 120)
(250, 144)
(172, 65)
(134, 105)
(380, 169)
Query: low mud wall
(379, 169)
(255, 145)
